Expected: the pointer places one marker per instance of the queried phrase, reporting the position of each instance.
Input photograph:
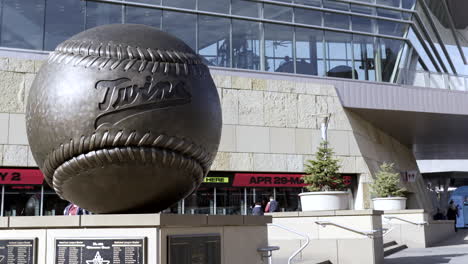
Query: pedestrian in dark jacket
(452, 213)
(257, 210)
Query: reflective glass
(408, 4)
(288, 199)
(276, 12)
(394, 3)
(392, 28)
(145, 16)
(335, 5)
(64, 19)
(364, 57)
(154, 2)
(53, 205)
(278, 48)
(246, 44)
(213, 40)
(308, 2)
(22, 200)
(388, 13)
(309, 52)
(338, 55)
(188, 4)
(200, 201)
(306, 16)
(22, 24)
(229, 200)
(245, 8)
(218, 6)
(101, 14)
(389, 53)
(336, 20)
(181, 25)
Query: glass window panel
(363, 24)
(288, 199)
(408, 4)
(309, 51)
(188, 4)
(213, 40)
(389, 53)
(336, 20)
(53, 205)
(154, 2)
(363, 9)
(392, 28)
(335, 5)
(394, 3)
(278, 48)
(276, 12)
(245, 8)
(64, 19)
(308, 2)
(364, 57)
(145, 16)
(22, 200)
(229, 200)
(246, 44)
(310, 17)
(22, 24)
(388, 13)
(338, 55)
(218, 6)
(200, 202)
(101, 14)
(181, 25)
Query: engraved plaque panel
(100, 251)
(18, 251)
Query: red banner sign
(21, 176)
(267, 180)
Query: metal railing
(295, 253)
(405, 220)
(368, 233)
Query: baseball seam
(111, 57)
(144, 155)
(124, 139)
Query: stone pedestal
(147, 238)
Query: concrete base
(405, 231)
(239, 236)
(329, 242)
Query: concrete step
(389, 244)
(393, 249)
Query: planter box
(389, 203)
(317, 201)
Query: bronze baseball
(124, 118)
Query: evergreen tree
(322, 172)
(386, 182)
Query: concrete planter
(317, 201)
(389, 203)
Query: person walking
(257, 210)
(272, 206)
(452, 213)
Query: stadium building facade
(387, 78)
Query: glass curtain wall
(315, 37)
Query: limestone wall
(271, 123)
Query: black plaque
(100, 251)
(194, 249)
(17, 251)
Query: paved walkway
(452, 251)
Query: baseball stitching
(126, 58)
(102, 148)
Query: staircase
(392, 247)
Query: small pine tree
(322, 172)
(386, 182)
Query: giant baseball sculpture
(123, 118)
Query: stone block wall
(271, 123)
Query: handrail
(294, 254)
(369, 233)
(407, 221)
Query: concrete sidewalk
(452, 251)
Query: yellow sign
(216, 179)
